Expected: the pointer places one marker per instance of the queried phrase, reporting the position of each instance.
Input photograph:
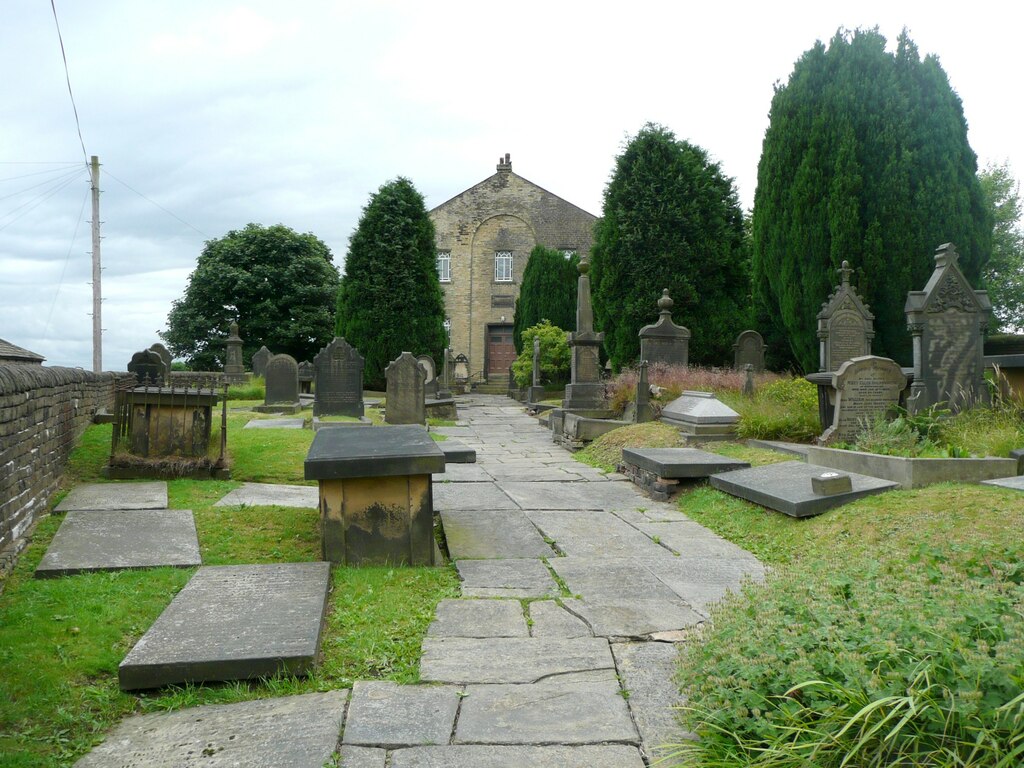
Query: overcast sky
(223, 113)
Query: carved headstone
(260, 359)
(866, 387)
(845, 326)
(664, 341)
(338, 370)
(585, 390)
(405, 391)
(445, 390)
(282, 375)
(165, 359)
(749, 350)
(643, 396)
(430, 384)
(307, 372)
(234, 368)
(947, 321)
(147, 367)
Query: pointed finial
(665, 303)
(845, 272)
(583, 266)
(946, 254)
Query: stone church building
(484, 238)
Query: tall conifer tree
(548, 292)
(672, 220)
(390, 300)
(865, 159)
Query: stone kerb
(866, 388)
(405, 391)
(338, 371)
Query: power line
(37, 201)
(153, 202)
(67, 76)
(74, 172)
(64, 269)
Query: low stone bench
(659, 470)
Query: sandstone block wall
(43, 411)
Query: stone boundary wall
(196, 378)
(43, 412)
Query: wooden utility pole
(97, 294)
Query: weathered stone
(211, 632)
(497, 534)
(749, 350)
(595, 534)
(866, 388)
(234, 368)
(274, 424)
(678, 463)
(665, 342)
(506, 578)
(703, 581)
(647, 671)
(338, 372)
(284, 732)
(430, 382)
(405, 391)
(569, 496)
(845, 326)
(508, 756)
(464, 473)
(104, 540)
(111, 496)
(564, 710)
(472, 496)
(380, 452)
(260, 358)
(282, 382)
(642, 412)
(384, 714)
(786, 487)
(550, 618)
(585, 389)
(148, 368)
(271, 495)
(699, 413)
(831, 483)
(510, 659)
(362, 757)
(478, 618)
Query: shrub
(555, 358)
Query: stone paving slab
(1016, 483)
(786, 488)
(479, 756)
(595, 534)
(506, 578)
(286, 732)
(478, 618)
(553, 619)
(274, 424)
(574, 496)
(638, 618)
(471, 496)
(110, 496)
(233, 622)
(510, 659)
(691, 539)
(611, 578)
(385, 714)
(272, 495)
(464, 473)
(113, 540)
(497, 534)
(536, 474)
(454, 431)
(701, 582)
(647, 671)
(556, 711)
(362, 757)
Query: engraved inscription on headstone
(282, 375)
(845, 326)
(338, 370)
(866, 387)
(405, 391)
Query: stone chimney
(505, 164)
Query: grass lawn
(61, 640)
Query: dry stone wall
(43, 411)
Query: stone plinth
(164, 421)
(376, 501)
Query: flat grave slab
(385, 714)
(113, 540)
(780, 446)
(595, 534)
(573, 495)
(786, 487)
(456, 452)
(471, 496)
(285, 732)
(478, 618)
(150, 495)
(506, 578)
(274, 424)
(510, 659)
(558, 711)
(233, 622)
(492, 534)
(1016, 483)
(680, 463)
(272, 495)
(380, 452)
(507, 756)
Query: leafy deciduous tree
(555, 357)
(672, 220)
(277, 284)
(390, 299)
(1004, 273)
(548, 292)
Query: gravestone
(339, 380)
(430, 383)
(845, 326)
(749, 350)
(947, 322)
(405, 391)
(306, 375)
(234, 369)
(585, 390)
(282, 375)
(664, 341)
(444, 391)
(165, 358)
(147, 367)
(748, 380)
(536, 392)
(643, 396)
(865, 387)
(259, 361)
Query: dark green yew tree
(548, 292)
(865, 159)
(390, 300)
(279, 286)
(672, 220)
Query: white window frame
(568, 253)
(444, 266)
(503, 266)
